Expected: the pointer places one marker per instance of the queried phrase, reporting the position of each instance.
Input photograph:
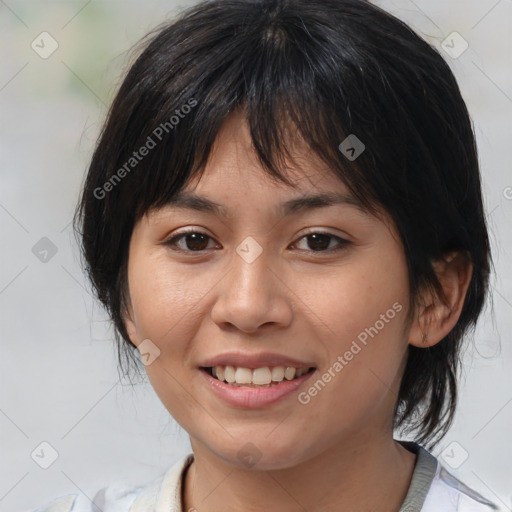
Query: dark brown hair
(330, 68)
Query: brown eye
(320, 242)
(197, 241)
(194, 241)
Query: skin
(337, 452)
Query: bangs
(312, 100)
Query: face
(258, 288)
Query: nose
(252, 295)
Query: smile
(258, 377)
(244, 393)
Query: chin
(261, 456)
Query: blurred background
(68, 423)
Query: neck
(363, 475)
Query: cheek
(166, 309)
(164, 300)
(362, 308)
(370, 292)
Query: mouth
(262, 377)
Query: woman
(284, 215)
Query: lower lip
(253, 398)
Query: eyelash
(172, 242)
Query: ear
(130, 323)
(435, 317)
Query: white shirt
(432, 489)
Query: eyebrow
(192, 201)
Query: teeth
(243, 376)
(229, 374)
(264, 376)
(289, 373)
(261, 376)
(278, 373)
(300, 372)
(219, 372)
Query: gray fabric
(462, 487)
(424, 472)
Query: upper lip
(252, 361)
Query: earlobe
(129, 321)
(131, 330)
(438, 315)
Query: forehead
(233, 169)
(234, 183)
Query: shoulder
(433, 488)
(118, 497)
(114, 498)
(450, 494)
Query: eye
(197, 241)
(319, 241)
